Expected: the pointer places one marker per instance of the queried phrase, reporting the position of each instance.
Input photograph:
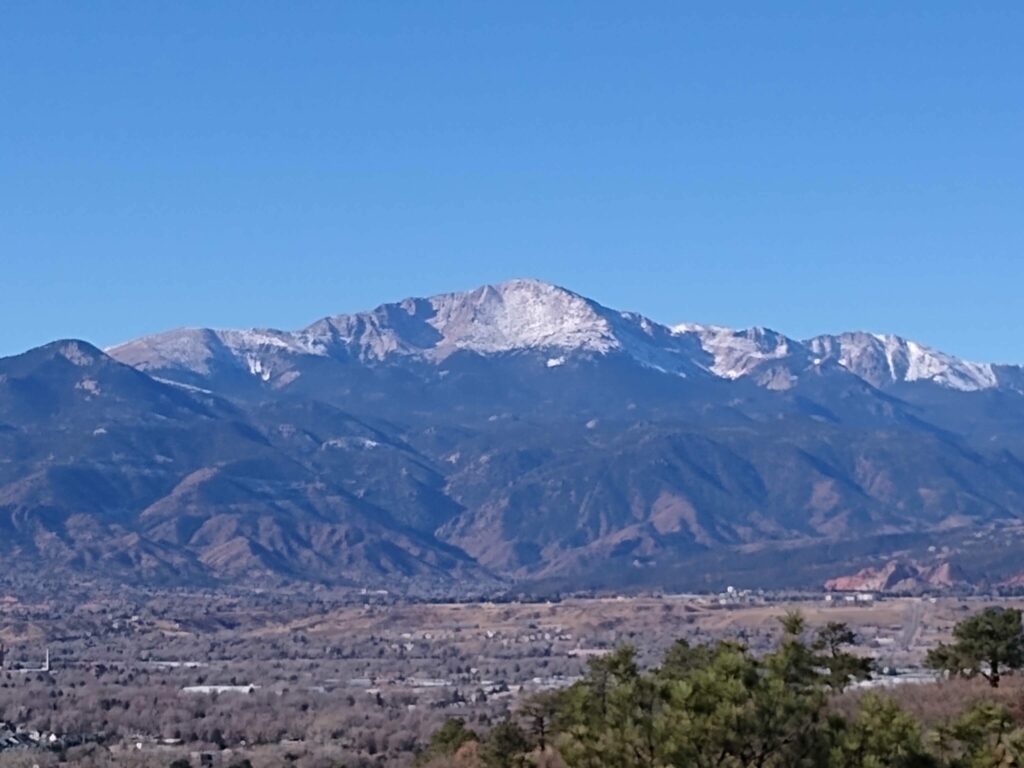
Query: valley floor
(143, 679)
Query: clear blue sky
(810, 166)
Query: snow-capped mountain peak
(493, 319)
(531, 316)
(519, 314)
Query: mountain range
(516, 434)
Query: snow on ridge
(930, 364)
(880, 359)
(185, 348)
(886, 359)
(512, 316)
(532, 315)
(258, 339)
(521, 314)
(735, 354)
(516, 315)
(700, 328)
(196, 349)
(180, 385)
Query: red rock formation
(898, 576)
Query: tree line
(720, 706)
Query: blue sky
(812, 167)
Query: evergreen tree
(720, 706)
(506, 746)
(842, 666)
(447, 740)
(985, 644)
(881, 736)
(984, 737)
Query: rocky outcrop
(899, 576)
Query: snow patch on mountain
(885, 359)
(734, 353)
(882, 360)
(257, 368)
(198, 349)
(180, 385)
(494, 319)
(189, 348)
(521, 314)
(76, 354)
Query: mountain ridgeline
(517, 433)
